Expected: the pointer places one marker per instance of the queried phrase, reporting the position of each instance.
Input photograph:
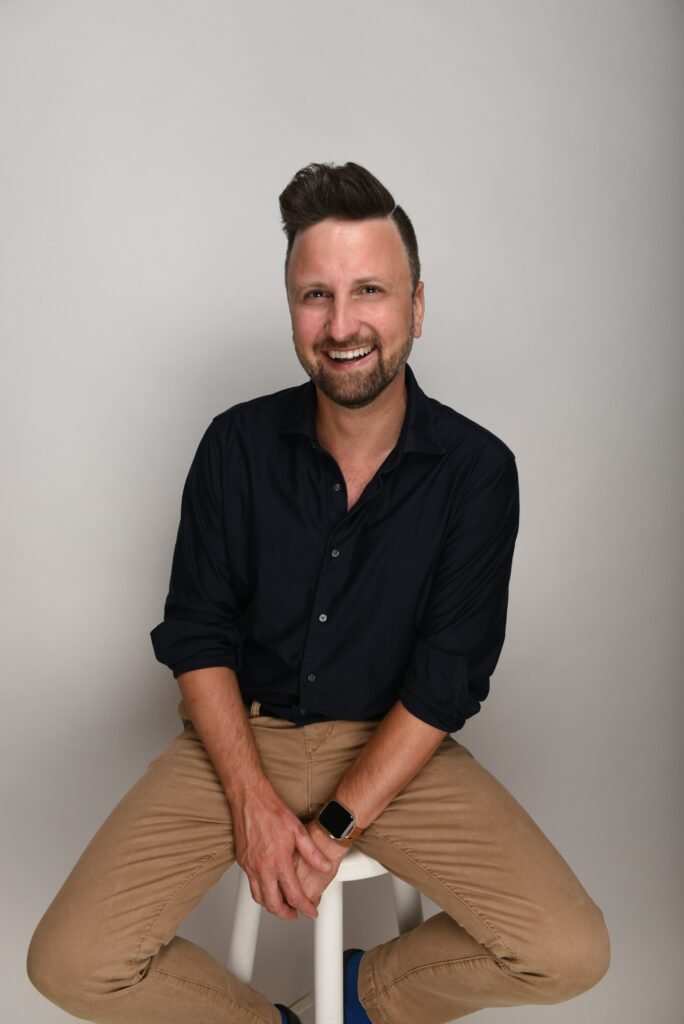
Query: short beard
(356, 395)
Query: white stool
(328, 937)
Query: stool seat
(358, 865)
(328, 933)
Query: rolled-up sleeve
(201, 610)
(463, 626)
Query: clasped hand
(314, 881)
(288, 863)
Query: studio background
(537, 147)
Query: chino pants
(516, 926)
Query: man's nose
(342, 324)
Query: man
(337, 606)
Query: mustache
(351, 343)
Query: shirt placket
(332, 574)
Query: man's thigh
(460, 837)
(162, 847)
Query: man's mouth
(349, 357)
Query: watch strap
(354, 834)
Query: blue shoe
(354, 1012)
(288, 1015)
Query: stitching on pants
(473, 910)
(458, 962)
(310, 750)
(376, 1006)
(326, 735)
(309, 776)
(204, 987)
(177, 891)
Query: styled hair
(348, 192)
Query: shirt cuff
(435, 688)
(183, 646)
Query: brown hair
(348, 192)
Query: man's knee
(49, 965)
(61, 964)
(574, 960)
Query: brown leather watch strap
(354, 834)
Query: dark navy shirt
(325, 612)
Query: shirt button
(334, 552)
(337, 487)
(303, 711)
(311, 677)
(322, 617)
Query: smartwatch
(338, 822)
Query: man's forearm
(213, 701)
(394, 754)
(396, 751)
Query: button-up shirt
(326, 612)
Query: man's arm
(214, 704)
(394, 754)
(457, 646)
(266, 831)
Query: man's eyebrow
(357, 280)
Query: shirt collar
(417, 432)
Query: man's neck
(365, 434)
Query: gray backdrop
(538, 148)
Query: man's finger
(295, 895)
(311, 853)
(255, 889)
(274, 901)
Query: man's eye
(313, 293)
(374, 287)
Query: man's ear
(287, 287)
(418, 309)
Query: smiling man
(353, 334)
(336, 609)
(342, 321)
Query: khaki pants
(516, 925)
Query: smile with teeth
(351, 354)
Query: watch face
(335, 819)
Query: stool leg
(408, 906)
(243, 938)
(328, 972)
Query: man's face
(349, 287)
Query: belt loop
(254, 709)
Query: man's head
(347, 192)
(353, 280)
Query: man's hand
(268, 838)
(314, 880)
